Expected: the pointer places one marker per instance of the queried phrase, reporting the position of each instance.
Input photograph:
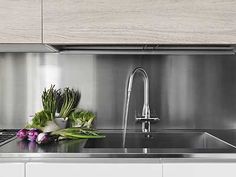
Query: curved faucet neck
(146, 109)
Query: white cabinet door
(12, 169)
(199, 170)
(93, 169)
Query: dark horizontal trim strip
(146, 49)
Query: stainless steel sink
(186, 140)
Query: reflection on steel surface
(192, 144)
(187, 91)
(184, 140)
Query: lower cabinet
(199, 169)
(12, 169)
(170, 169)
(93, 169)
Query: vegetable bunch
(78, 133)
(68, 102)
(56, 103)
(40, 120)
(82, 118)
(35, 135)
(31, 134)
(59, 103)
(50, 100)
(63, 101)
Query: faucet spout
(146, 113)
(146, 108)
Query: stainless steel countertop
(75, 149)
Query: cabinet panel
(93, 169)
(140, 21)
(20, 21)
(12, 169)
(199, 169)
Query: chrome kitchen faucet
(146, 118)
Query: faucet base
(146, 126)
(146, 123)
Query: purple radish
(44, 138)
(22, 134)
(33, 134)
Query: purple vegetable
(33, 134)
(44, 138)
(22, 134)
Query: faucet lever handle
(150, 119)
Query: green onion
(78, 133)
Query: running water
(127, 98)
(125, 117)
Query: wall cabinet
(118, 21)
(139, 21)
(93, 169)
(20, 21)
(12, 169)
(199, 169)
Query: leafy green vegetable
(78, 133)
(50, 100)
(82, 119)
(60, 103)
(69, 101)
(40, 120)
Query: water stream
(125, 117)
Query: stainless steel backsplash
(189, 92)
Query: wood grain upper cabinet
(20, 21)
(139, 21)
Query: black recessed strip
(147, 49)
